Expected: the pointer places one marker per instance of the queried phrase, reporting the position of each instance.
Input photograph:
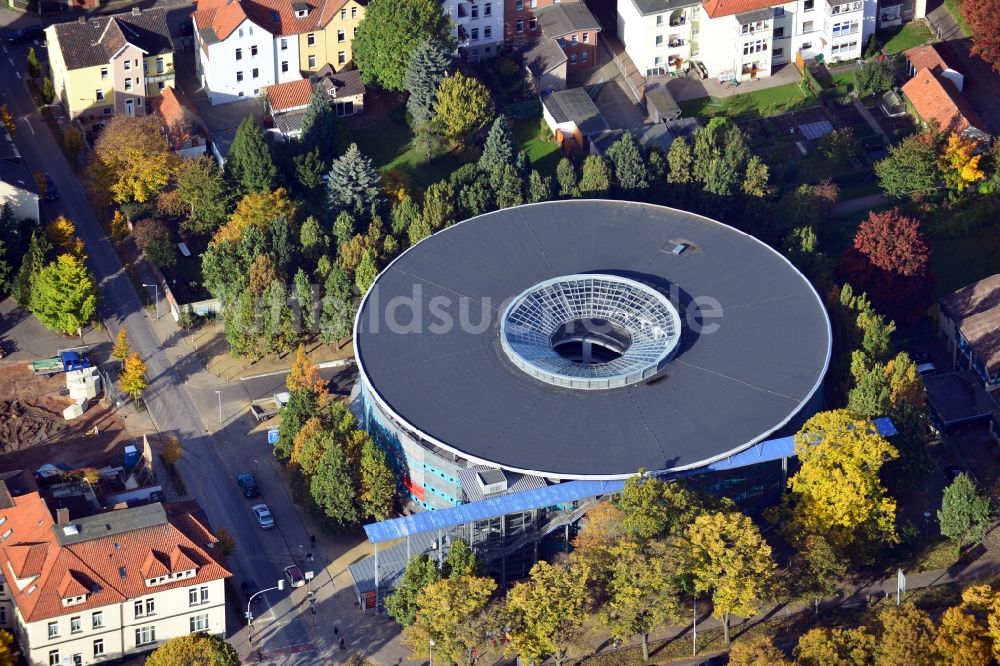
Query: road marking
(28, 123)
(11, 61)
(18, 74)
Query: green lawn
(389, 145)
(957, 262)
(912, 34)
(954, 6)
(767, 102)
(542, 154)
(845, 78)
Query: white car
(924, 369)
(264, 517)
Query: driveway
(616, 104)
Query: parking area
(616, 105)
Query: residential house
(287, 102)
(574, 29)
(970, 325)
(111, 64)
(477, 27)
(106, 586)
(185, 131)
(894, 13)
(18, 188)
(741, 39)
(573, 118)
(243, 46)
(544, 64)
(928, 56)
(935, 99)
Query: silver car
(264, 517)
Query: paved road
(208, 466)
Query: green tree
(539, 187)
(460, 561)
(720, 157)
(241, 325)
(64, 295)
(250, 165)
(153, 238)
(642, 594)
(595, 177)
(304, 297)
(322, 129)
(755, 179)
(681, 162)
(631, 173)
(463, 107)
(816, 571)
(301, 406)
(906, 637)
(309, 168)
(546, 611)
(48, 91)
(875, 76)
(390, 33)
(206, 196)
(34, 67)
(439, 206)
(31, 265)
(312, 239)
(566, 177)
(378, 482)
(500, 147)
(424, 73)
(133, 376)
(730, 559)
(332, 488)
(835, 647)
(964, 515)
(509, 187)
(444, 611)
(355, 185)
(839, 146)
(337, 314)
(344, 228)
(278, 333)
(420, 572)
(367, 271)
(197, 649)
(911, 168)
(403, 215)
(120, 350)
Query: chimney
(62, 516)
(136, 11)
(82, 20)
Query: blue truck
(65, 362)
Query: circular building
(583, 340)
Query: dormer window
(301, 9)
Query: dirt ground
(33, 431)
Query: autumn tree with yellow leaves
(133, 376)
(960, 164)
(447, 614)
(257, 209)
(730, 560)
(121, 349)
(132, 162)
(837, 492)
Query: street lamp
(219, 393)
(280, 586)
(430, 645)
(156, 297)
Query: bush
(48, 91)
(153, 239)
(875, 77)
(871, 49)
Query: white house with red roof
(235, 57)
(741, 39)
(287, 102)
(98, 588)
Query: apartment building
(574, 29)
(111, 64)
(244, 46)
(741, 39)
(477, 27)
(95, 589)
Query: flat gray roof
(575, 105)
(647, 7)
(111, 523)
(566, 17)
(725, 389)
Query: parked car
(28, 33)
(51, 191)
(250, 588)
(294, 576)
(924, 369)
(919, 357)
(248, 484)
(264, 517)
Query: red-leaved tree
(984, 20)
(890, 261)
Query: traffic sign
(272, 436)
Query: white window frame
(97, 619)
(98, 647)
(53, 629)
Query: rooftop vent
(121, 572)
(95, 23)
(136, 11)
(70, 530)
(491, 481)
(679, 248)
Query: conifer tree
(500, 147)
(631, 174)
(354, 184)
(250, 166)
(337, 315)
(427, 67)
(321, 129)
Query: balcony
(838, 7)
(676, 43)
(678, 18)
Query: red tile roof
(179, 117)
(717, 8)
(926, 57)
(289, 95)
(937, 99)
(275, 16)
(60, 564)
